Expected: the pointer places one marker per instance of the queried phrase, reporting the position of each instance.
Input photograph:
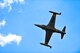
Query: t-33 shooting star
(50, 29)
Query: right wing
(47, 37)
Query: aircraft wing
(52, 21)
(48, 36)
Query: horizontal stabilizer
(46, 45)
(63, 30)
(55, 13)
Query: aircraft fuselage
(48, 28)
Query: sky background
(21, 17)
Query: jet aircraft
(50, 29)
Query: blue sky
(22, 17)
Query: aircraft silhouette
(50, 28)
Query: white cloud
(7, 3)
(2, 23)
(9, 39)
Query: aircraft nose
(36, 24)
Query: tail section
(63, 30)
(46, 45)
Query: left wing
(52, 21)
(53, 18)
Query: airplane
(50, 29)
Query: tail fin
(63, 30)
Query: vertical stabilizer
(63, 30)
